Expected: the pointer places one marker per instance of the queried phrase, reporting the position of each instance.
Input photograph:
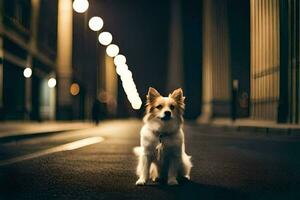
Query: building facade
(28, 40)
(53, 41)
(251, 60)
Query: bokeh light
(96, 23)
(27, 72)
(51, 82)
(105, 38)
(121, 69)
(74, 89)
(80, 6)
(136, 105)
(127, 74)
(119, 60)
(112, 50)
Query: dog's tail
(138, 150)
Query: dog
(161, 155)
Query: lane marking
(65, 147)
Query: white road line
(65, 147)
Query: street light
(80, 6)
(95, 23)
(51, 82)
(121, 69)
(112, 50)
(105, 38)
(74, 89)
(27, 72)
(127, 74)
(136, 105)
(119, 60)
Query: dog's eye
(159, 107)
(172, 107)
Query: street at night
(228, 164)
(139, 99)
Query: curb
(270, 130)
(256, 129)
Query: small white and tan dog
(162, 155)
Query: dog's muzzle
(167, 116)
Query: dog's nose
(167, 113)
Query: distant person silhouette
(96, 109)
(99, 111)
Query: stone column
(33, 46)
(1, 56)
(111, 85)
(64, 59)
(216, 78)
(1, 61)
(265, 59)
(1, 72)
(206, 111)
(175, 68)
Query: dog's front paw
(140, 181)
(172, 181)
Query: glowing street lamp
(74, 89)
(136, 105)
(27, 72)
(126, 77)
(127, 74)
(119, 60)
(121, 69)
(51, 82)
(105, 38)
(80, 6)
(95, 23)
(112, 50)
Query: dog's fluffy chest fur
(150, 139)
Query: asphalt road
(227, 165)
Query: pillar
(175, 68)
(216, 80)
(32, 45)
(289, 93)
(64, 59)
(1, 57)
(111, 85)
(265, 59)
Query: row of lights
(80, 7)
(28, 72)
(112, 50)
(74, 89)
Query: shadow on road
(193, 190)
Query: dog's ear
(177, 95)
(152, 94)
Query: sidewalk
(254, 125)
(20, 128)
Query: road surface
(98, 163)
